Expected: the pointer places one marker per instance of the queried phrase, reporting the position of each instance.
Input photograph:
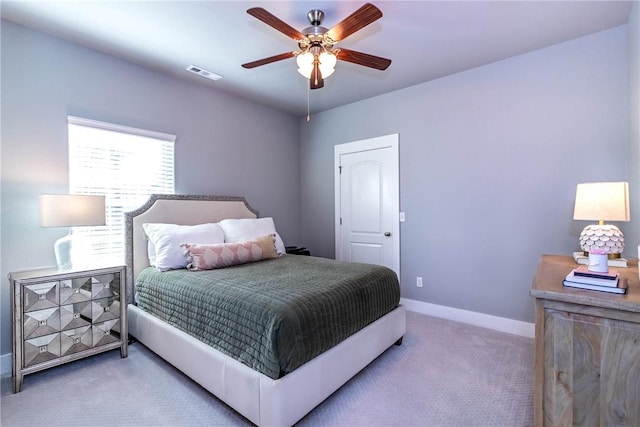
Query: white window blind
(124, 164)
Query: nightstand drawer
(106, 333)
(40, 295)
(41, 349)
(75, 340)
(105, 286)
(75, 315)
(105, 309)
(41, 322)
(75, 290)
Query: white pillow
(167, 238)
(239, 230)
(151, 252)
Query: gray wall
(225, 145)
(633, 234)
(489, 162)
(489, 157)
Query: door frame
(376, 143)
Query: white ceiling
(425, 39)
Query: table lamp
(602, 201)
(70, 210)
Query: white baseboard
(501, 324)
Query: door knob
(387, 233)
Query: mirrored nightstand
(61, 316)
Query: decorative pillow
(239, 230)
(208, 257)
(167, 238)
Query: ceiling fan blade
(354, 22)
(269, 60)
(315, 80)
(365, 59)
(277, 23)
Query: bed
(266, 395)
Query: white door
(367, 202)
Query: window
(124, 164)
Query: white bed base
(262, 400)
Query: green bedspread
(273, 315)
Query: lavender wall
(225, 145)
(489, 162)
(633, 233)
(489, 157)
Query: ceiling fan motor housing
(315, 17)
(315, 33)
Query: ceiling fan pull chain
(308, 115)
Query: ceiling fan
(317, 53)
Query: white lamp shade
(327, 64)
(305, 62)
(602, 201)
(71, 210)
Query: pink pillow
(220, 255)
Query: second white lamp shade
(71, 210)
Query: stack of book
(584, 278)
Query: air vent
(203, 73)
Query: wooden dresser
(587, 350)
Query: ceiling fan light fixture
(327, 64)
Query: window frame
(108, 242)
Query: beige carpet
(444, 374)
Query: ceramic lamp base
(603, 237)
(609, 256)
(62, 249)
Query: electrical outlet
(419, 281)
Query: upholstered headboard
(174, 209)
